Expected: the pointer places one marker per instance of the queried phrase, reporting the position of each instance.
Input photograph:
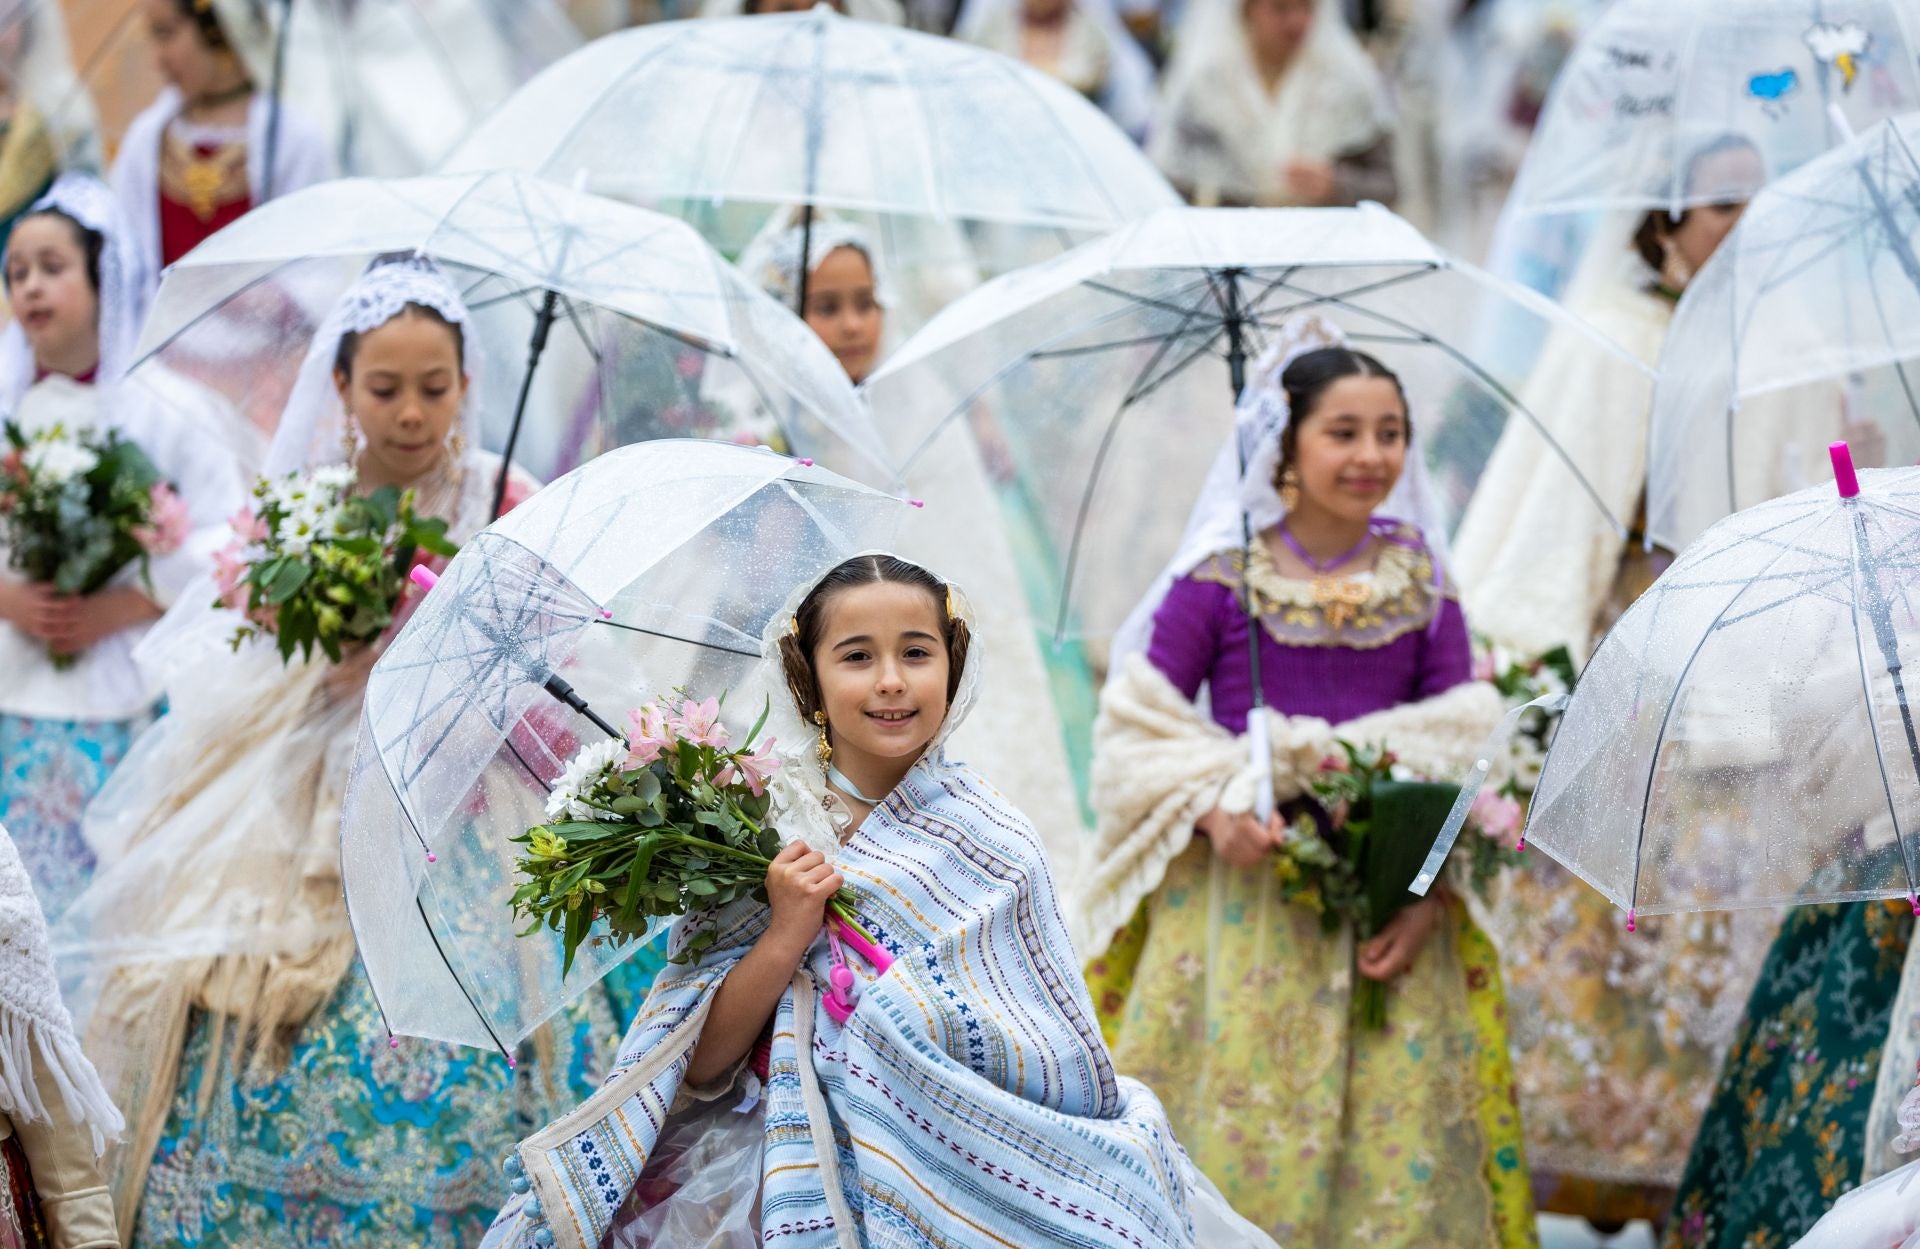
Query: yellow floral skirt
(1237, 1008)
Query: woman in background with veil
(267, 1104)
(1273, 102)
(1080, 42)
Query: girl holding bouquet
(73, 698)
(1243, 1009)
(266, 1104)
(947, 1083)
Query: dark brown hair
(206, 22)
(1308, 379)
(92, 243)
(1649, 237)
(799, 642)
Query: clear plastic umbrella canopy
(651, 333)
(1102, 383)
(392, 84)
(653, 568)
(723, 120)
(1805, 327)
(1671, 104)
(1745, 735)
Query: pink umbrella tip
(432, 857)
(424, 577)
(1844, 478)
(1630, 919)
(1521, 845)
(916, 502)
(1913, 899)
(806, 464)
(606, 613)
(393, 1042)
(511, 1065)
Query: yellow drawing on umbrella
(1841, 45)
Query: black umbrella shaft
(542, 326)
(557, 687)
(806, 261)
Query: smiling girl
(265, 1104)
(70, 276)
(966, 1098)
(1234, 1004)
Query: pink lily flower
(249, 527)
(1497, 816)
(758, 768)
(229, 569)
(651, 735)
(700, 724)
(168, 522)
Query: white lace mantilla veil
(799, 787)
(1332, 102)
(1216, 522)
(1126, 95)
(123, 288)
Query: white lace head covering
(313, 429)
(1231, 498)
(799, 788)
(772, 260)
(123, 286)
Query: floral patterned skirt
(1784, 1136)
(355, 1142)
(1238, 1010)
(49, 771)
(21, 1225)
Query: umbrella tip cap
(432, 857)
(806, 463)
(1630, 919)
(511, 1064)
(423, 576)
(393, 1042)
(1844, 478)
(1913, 899)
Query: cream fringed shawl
(1160, 764)
(34, 1018)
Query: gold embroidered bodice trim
(1363, 610)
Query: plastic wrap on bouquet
(654, 567)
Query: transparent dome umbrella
(1745, 734)
(1104, 381)
(1806, 320)
(739, 116)
(1670, 104)
(392, 84)
(655, 567)
(607, 323)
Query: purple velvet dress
(1319, 655)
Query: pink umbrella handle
(866, 949)
(1845, 480)
(423, 576)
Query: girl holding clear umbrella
(1017, 734)
(1273, 102)
(266, 1103)
(1233, 1002)
(195, 159)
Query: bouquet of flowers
(669, 820)
(315, 564)
(1353, 854)
(76, 508)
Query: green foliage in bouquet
(74, 506)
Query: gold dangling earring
(350, 440)
(826, 747)
(456, 444)
(1289, 488)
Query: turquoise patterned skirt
(356, 1142)
(49, 771)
